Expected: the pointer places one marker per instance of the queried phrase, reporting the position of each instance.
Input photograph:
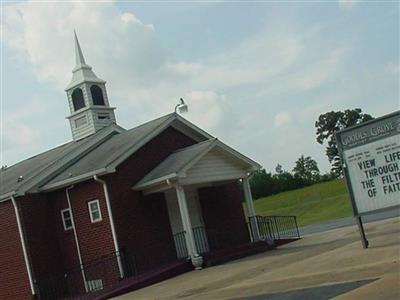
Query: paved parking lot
(329, 264)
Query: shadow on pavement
(316, 293)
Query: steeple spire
(82, 72)
(87, 98)
(80, 60)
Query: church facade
(114, 203)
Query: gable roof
(100, 154)
(75, 161)
(42, 167)
(178, 163)
(108, 155)
(173, 164)
(30, 167)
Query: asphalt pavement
(324, 292)
(320, 227)
(325, 265)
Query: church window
(77, 99)
(97, 95)
(66, 219)
(94, 211)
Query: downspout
(76, 236)
(113, 232)
(25, 253)
(251, 210)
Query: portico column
(187, 226)
(250, 209)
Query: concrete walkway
(333, 261)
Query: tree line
(305, 171)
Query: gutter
(24, 251)
(73, 180)
(7, 196)
(113, 232)
(159, 180)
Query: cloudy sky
(256, 75)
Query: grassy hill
(314, 204)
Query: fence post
(297, 227)
(276, 227)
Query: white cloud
(256, 59)
(127, 53)
(318, 73)
(282, 118)
(347, 4)
(205, 108)
(144, 80)
(41, 33)
(392, 68)
(19, 135)
(16, 135)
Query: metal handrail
(200, 239)
(276, 227)
(102, 272)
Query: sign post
(370, 155)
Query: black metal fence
(274, 227)
(105, 271)
(180, 244)
(200, 239)
(90, 277)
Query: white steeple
(87, 97)
(80, 60)
(82, 71)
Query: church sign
(370, 154)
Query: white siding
(214, 166)
(94, 124)
(84, 130)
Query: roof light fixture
(181, 106)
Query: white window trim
(63, 219)
(90, 211)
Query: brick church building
(114, 203)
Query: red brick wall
(13, 275)
(65, 239)
(52, 251)
(95, 239)
(38, 219)
(223, 215)
(142, 222)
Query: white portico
(186, 170)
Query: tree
(307, 169)
(261, 184)
(331, 122)
(279, 169)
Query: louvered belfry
(87, 98)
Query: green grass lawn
(314, 204)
